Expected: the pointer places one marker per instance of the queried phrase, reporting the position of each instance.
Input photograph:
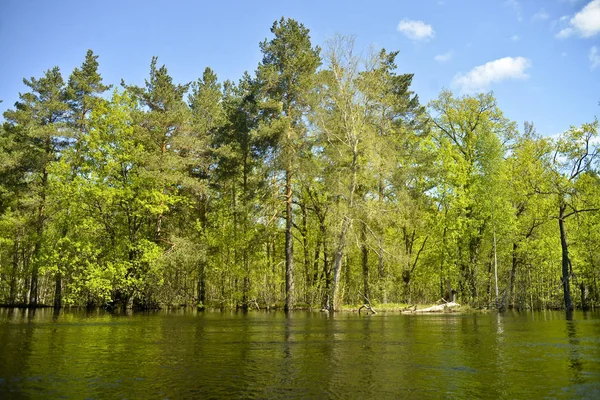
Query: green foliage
(312, 182)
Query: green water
(79, 355)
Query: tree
(124, 200)
(38, 121)
(286, 79)
(575, 154)
(469, 131)
(527, 168)
(162, 125)
(83, 92)
(207, 119)
(401, 163)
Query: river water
(177, 355)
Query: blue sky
(540, 57)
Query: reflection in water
(575, 363)
(499, 327)
(288, 362)
(368, 366)
(56, 314)
(287, 348)
(74, 354)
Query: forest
(314, 180)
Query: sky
(540, 57)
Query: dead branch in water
(366, 305)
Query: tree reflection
(575, 363)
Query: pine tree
(39, 119)
(286, 79)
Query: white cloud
(515, 5)
(586, 23)
(541, 15)
(482, 76)
(416, 30)
(564, 33)
(442, 58)
(515, 38)
(594, 57)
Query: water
(79, 355)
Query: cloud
(541, 15)
(594, 57)
(564, 33)
(515, 38)
(515, 5)
(586, 23)
(482, 76)
(442, 58)
(416, 30)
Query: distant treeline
(316, 179)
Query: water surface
(77, 355)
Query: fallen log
(446, 307)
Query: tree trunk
(159, 219)
(365, 260)
(381, 264)
(58, 291)
(316, 278)
(337, 264)
(35, 270)
(33, 292)
(289, 244)
(565, 258)
(26, 288)
(584, 296)
(326, 269)
(245, 282)
(339, 253)
(381, 269)
(13, 276)
(245, 261)
(513, 273)
(307, 261)
(201, 286)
